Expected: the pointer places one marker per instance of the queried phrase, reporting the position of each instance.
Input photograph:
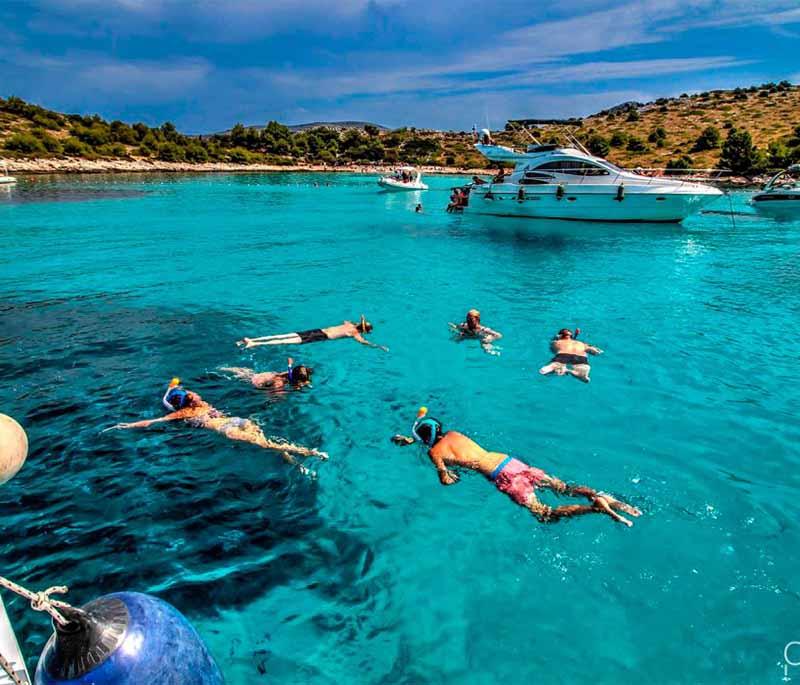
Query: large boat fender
(13, 448)
(126, 638)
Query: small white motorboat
(404, 178)
(5, 179)
(9, 650)
(781, 194)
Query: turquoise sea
(373, 573)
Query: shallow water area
(373, 572)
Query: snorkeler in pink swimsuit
(511, 476)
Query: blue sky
(442, 63)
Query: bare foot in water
(621, 506)
(604, 505)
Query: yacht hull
(547, 202)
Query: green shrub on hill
(26, 144)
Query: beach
(77, 165)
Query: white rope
(9, 669)
(40, 601)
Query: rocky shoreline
(75, 165)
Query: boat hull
(777, 202)
(389, 184)
(10, 650)
(547, 202)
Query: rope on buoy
(9, 669)
(40, 601)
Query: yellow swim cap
(175, 382)
(422, 411)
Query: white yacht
(404, 178)
(554, 182)
(781, 193)
(5, 179)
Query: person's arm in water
(402, 440)
(591, 349)
(446, 476)
(360, 338)
(174, 416)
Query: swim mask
(175, 393)
(423, 419)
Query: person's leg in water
(580, 371)
(249, 431)
(554, 367)
(259, 380)
(284, 339)
(605, 502)
(241, 373)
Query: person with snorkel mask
(347, 329)
(295, 377)
(511, 476)
(473, 328)
(570, 352)
(195, 411)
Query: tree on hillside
(598, 145)
(371, 130)
(618, 139)
(709, 139)
(675, 166)
(738, 152)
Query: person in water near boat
(511, 476)
(190, 407)
(348, 329)
(294, 377)
(418, 208)
(473, 328)
(570, 353)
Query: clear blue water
(374, 573)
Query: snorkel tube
(422, 419)
(290, 369)
(174, 388)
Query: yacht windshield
(578, 168)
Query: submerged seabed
(374, 573)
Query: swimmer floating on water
(190, 407)
(472, 328)
(511, 476)
(347, 329)
(570, 351)
(294, 377)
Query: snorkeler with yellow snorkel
(347, 329)
(194, 410)
(511, 476)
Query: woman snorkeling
(295, 377)
(190, 407)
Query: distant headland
(747, 130)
